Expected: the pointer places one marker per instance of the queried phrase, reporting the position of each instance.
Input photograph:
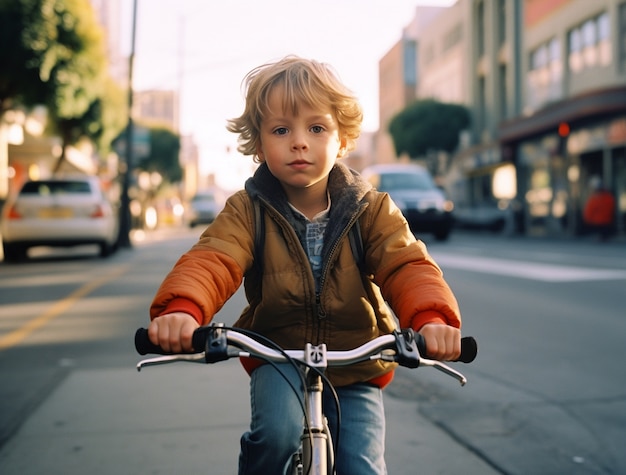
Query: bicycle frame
(316, 451)
(316, 454)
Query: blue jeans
(276, 425)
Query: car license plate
(55, 213)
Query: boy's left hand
(443, 342)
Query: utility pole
(125, 221)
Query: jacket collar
(346, 188)
(347, 193)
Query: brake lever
(408, 355)
(444, 368)
(159, 360)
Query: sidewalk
(118, 421)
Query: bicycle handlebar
(220, 343)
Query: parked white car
(58, 212)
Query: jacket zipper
(320, 312)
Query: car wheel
(106, 249)
(14, 252)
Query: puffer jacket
(350, 307)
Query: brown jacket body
(347, 307)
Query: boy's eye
(280, 130)
(317, 129)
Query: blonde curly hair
(305, 82)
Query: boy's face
(300, 150)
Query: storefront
(481, 182)
(560, 151)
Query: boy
(299, 119)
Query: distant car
(202, 209)
(58, 212)
(412, 188)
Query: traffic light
(563, 132)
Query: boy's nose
(299, 143)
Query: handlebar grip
(469, 348)
(143, 345)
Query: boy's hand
(443, 342)
(173, 332)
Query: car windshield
(405, 181)
(198, 198)
(45, 188)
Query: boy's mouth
(298, 163)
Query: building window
(545, 75)
(575, 51)
(410, 63)
(555, 69)
(590, 39)
(590, 44)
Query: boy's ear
(343, 147)
(259, 152)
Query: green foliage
(53, 53)
(104, 119)
(23, 44)
(163, 157)
(428, 125)
(79, 72)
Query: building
(545, 83)
(397, 78)
(573, 123)
(157, 107)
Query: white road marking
(526, 270)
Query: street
(546, 394)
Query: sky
(204, 49)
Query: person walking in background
(599, 211)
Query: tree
(53, 53)
(101, 123)
(428, 125)
(163, 157)
(77, 81)
(24, 57)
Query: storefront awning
(596, 103)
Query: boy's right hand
(173, 332)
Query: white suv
(412, 188)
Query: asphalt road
(545, 396)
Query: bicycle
(316, 454)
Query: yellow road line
(16, 336)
